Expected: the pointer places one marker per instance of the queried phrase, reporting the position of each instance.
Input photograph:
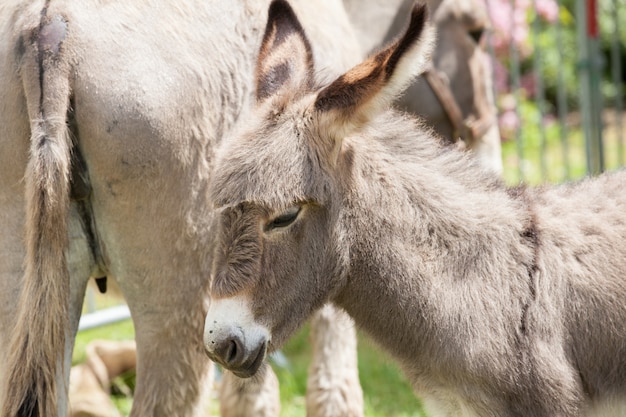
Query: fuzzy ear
(371, 86)
(285, 60)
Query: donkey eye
(284, 219)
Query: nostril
(231, 353)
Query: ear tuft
(417, 22)
(285, 58)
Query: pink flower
(500, 77)
(548, 9)
(508, 123)
(509, 23)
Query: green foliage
(386, 392)
(544, 151)
(119, 331)
(556, 49)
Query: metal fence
(93, 316)
(560, 85)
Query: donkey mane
(409, 140)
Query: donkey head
(278, 187)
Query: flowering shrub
(515, 34)
(541, 30)
(536, 64)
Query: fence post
(589, 69)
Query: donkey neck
(431, 239)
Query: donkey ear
(285, 60)
(371, 86)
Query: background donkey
(455, 93)
(495, 301)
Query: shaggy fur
(496, 302)
(140, 93)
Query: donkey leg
(87, 397)
(333, 387)
(173, 372)
(257, 396)
(487, 148)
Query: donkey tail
(37, 351)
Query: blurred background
(559, 84)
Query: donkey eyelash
(284, 219)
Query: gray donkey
(495, 301)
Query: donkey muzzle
(233, 339)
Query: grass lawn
(386, 392)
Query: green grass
(120, 331)
(386, 392)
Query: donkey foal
(496, 302)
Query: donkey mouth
(249, 368)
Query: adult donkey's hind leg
(80, 264)
(173, 373)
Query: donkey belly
(447, 404)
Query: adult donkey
(147, 92)
(495, 301)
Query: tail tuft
(36, 359)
